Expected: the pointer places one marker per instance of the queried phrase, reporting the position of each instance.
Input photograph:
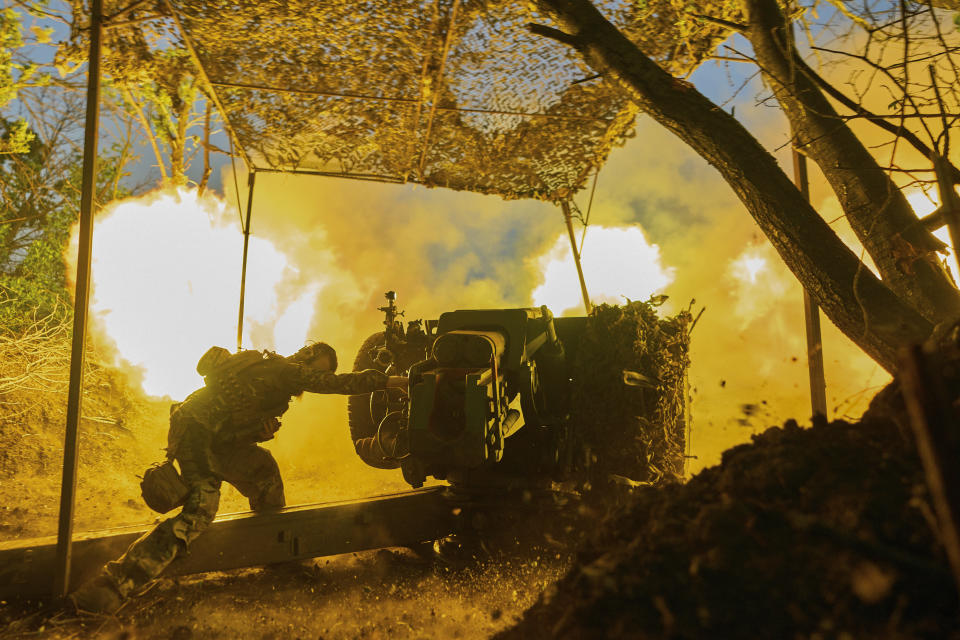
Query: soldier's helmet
(214, 357)
(312, 353)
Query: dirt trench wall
(121, 432)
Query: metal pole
(576, 254)
(68, 486)
(451, 26)
(811, 312)
(251, 182)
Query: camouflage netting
(445, 93)
(637, 430)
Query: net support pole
(811, 312)
(251, 183)
(568, 219)
(88, 183)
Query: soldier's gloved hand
(398, 382)
(270, 426)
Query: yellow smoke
(165, 287)
(323, 251)
(923, 205)
(618, 263)
(669, 224)
(664, 222)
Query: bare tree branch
(814, 253)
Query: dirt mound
(819, 532)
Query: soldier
(213, 437)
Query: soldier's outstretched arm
(316, 381)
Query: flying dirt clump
(820, 532)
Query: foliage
(122, 431)
(18, 138)
(41, 167)
(12, 76)
(39, 203)
(10, 40)
(638, 429)
(149, 73)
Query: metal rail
(311, 92)
(369, 177)
(421, 90)
(361, 96)
(433, 102)
(246, 539)
(251, 182)
(568, 219)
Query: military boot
(100, 595)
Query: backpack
(231, 377)
(218, 363)
(236, 384)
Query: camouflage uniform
(213, 436)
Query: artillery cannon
(488, 397)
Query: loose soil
(824, 532)
(379, 594)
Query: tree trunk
(877, 210)
(863, 308)
(147, 130)
(178, 144)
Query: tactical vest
(242, 392)
(247, 388)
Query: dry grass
(121, 431)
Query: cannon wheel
(358, 407)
